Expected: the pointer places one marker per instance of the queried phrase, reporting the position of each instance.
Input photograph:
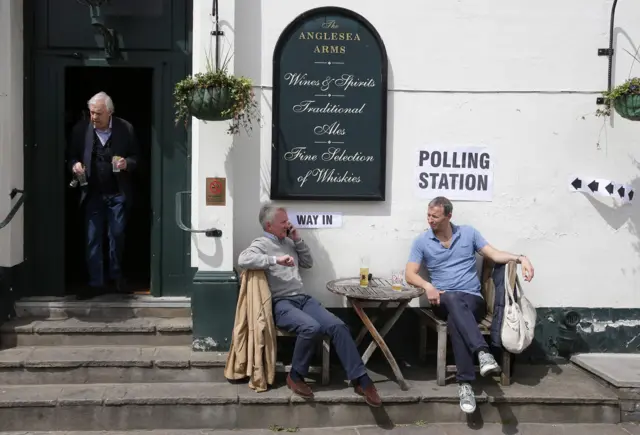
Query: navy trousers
(101, 210)
(463, 311)
(304, 316)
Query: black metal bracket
(215, 8)
(15, 208)
(609, 51)
(111, 49)
(605, 51)
(210, 232)
(14, 192)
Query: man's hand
(122, 164)
(527, 268)
(293, 233)
(78, 168)
(433, 294)
(285, 260)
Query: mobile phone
(288, 231)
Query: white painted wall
(210, 144)
(11, 134)
(519, 77)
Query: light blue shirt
(452, 269)
(104, 135)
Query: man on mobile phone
(448, 252)
(280, 252)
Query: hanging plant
(216, 95)
(625, 99)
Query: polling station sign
(458, 172)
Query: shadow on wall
(562, 331)
(243, 161)
(618, 215)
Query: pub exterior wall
(11, 133)
(521, 79)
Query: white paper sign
(315, 220)
(622, 193)
(456, 172)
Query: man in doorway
(448, 252)
(104, 151)
(280, 252)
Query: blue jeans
(304, 316)
(463, 311)
(98, 210)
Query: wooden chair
(326, 357)
(325, 350)
(429, 320)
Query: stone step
(106, 364)
(146, 406)
(410, 429)
(138, 331)
(38, 365)
(105, 307)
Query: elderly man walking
(280, 252)
(103, 152)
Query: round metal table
(380, 291)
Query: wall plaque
(329, 109)
(216, 191)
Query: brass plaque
(216, 191)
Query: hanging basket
(628, 106)
(208, 104)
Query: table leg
(380, 341)
(374, 319)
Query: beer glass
(364, 271)
(397, 279)
(114, 163)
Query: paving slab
(619, 369)
(420, 429)
(74, 331)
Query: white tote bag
(519, 320)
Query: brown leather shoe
(370, 395)
(300, 388)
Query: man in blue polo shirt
(448, 252)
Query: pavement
(419, 428)
(621, 370)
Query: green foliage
(244, 108)
(630, 87)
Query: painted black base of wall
(560, 332)
(11, 284)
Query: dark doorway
(131, 91)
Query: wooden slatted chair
(326, 357)
(325, 348)
(429, 320)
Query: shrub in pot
(216, 95)
(625, 99)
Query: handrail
(15, 208)
(211, 232)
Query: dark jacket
(123, 143)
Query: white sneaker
(467, 398)
(488, 364)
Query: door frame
(50, 67)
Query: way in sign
(315, 220)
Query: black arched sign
(329, 109)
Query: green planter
(628, 106)
(208, 104)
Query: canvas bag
(519, 320)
